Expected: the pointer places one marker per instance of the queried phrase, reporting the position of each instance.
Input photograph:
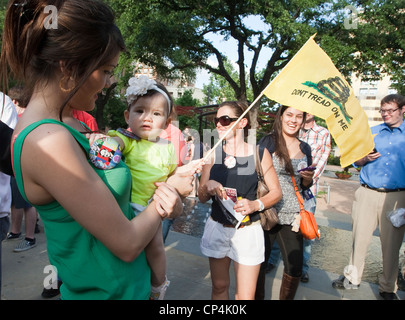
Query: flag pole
(231, 128)
(247, 110)
(250, 107)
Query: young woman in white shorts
(233, 166)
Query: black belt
(253, 218)
(382, 189)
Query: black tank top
(242, 177)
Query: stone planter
(343, 175)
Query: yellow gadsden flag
(310, 82)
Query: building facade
(369, 94)
(175, 88)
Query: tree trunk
(253, 112)
(253, 117)
(100, 104)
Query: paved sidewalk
(188, 271)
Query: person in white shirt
(8, 117)
(319, 140)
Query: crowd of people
(105, 228)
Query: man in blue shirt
(382, 190)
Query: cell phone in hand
(307, 169)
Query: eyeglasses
(224, 120)
(389, 112)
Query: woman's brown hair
(238, 107)
(84, 39)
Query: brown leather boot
(289, 287)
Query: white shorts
(243, 245)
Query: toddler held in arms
(150, 159)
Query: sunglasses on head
(224, 120)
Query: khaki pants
(370, 209)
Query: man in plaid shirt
(319, 140)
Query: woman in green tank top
(93, 239)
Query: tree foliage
(187, 100)
(174, 36)
(379, 40)
(219, 89)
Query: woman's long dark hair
(281, 149)
(84, 39)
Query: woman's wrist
(203, 192)
(260, 205)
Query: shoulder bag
(308, 225)
(268, 217)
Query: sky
(229, 49)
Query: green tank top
(86, 267)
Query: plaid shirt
(319, 139)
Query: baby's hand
(198, 165)
(92, 137)
(104, 152)
(192, 167)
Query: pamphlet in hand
(229, 203)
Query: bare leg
(16, 219)
(246, 279)
(220, 278)
(30, 221)
(156, 256)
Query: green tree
(109, 111)
(174, 36)
(187, 100)
(379, 40)
(219, 89)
